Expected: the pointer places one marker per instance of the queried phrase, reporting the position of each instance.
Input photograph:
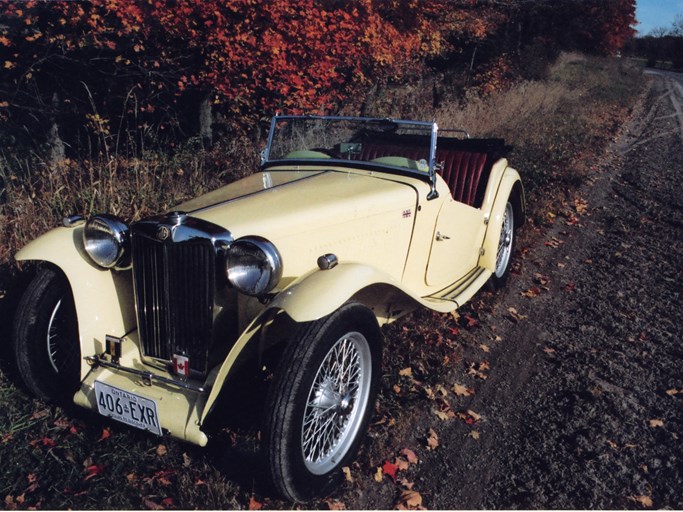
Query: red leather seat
(462, 169)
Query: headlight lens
(106, 240)
(254, 265)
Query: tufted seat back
(465, 163)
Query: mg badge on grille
(181, 365)
(163, 232)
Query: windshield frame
(430, 128)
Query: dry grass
(36, 195)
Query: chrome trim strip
(150, 377)
(451, 292)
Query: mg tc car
(349, 224)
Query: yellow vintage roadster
(350, 223)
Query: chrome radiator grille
(174, 293)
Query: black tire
(301, 469)
(45, 341)
(506, 247)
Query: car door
(456, 243)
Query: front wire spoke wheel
(334, 407)
(321, 401)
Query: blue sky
(656, 13)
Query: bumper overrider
(186, 275)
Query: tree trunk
(54, 141)
(206, 121)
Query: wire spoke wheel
(45, 339)
(336, 403)
(321, 401)
(505, 242)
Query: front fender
(312, 296)
(103, 298)
(321, 292)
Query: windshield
(406, 146)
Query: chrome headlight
(106, 239)
(254, 265)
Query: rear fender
(510, 188)
(103, 298)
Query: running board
(454, 296)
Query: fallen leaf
(93, 470)
(477, 371)
(532, 292)
(397, 389)
(442, 415)
(161, 450)
(254, 504)
(441, 390)
(515, 315)
(409, 500)
(645, 501)
(168, 502)
(471, 322)
(474, 435)
(554, 243)
(406, 483)
(335, 504)
(390, 469)
(432, 440)
(549, 350)
(474, 415)
(186, 460)
(673, 392)
(410, 455)
(656, 423)
(401, 463)
(38, 415)
(569, 287)
(461, 390)
(48, 442)
(106, 434)
(406, 372)
(581, 205)
(152, 505)
(347, 474)
(379, 476)
(10, 503)
(541, 279)
(62, 423)
(485, 348)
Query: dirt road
(578, 393)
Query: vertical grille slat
(174, 292)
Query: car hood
(359, 217)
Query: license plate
(129, 408)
